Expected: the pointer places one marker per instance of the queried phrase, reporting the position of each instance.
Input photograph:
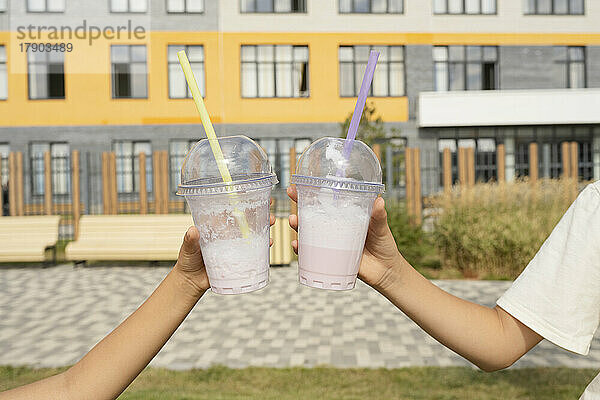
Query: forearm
(118, 359)
(488, 337)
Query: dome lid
(246, 161)
(323, 164)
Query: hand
(190, 263)
(380, 253)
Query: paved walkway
(51, 317)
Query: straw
(210, 133)
(360, 103)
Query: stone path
(52, 317)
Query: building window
(178, 149)
(60, 162)
(4, 152)
(554, 7)
(128, 6)
(2, 6)
(44, 6)
(3, 74)
(128, 165)
(371, 6)
(465, 67)
(388, 80)
(278, 151)
(129, 72)
(46, 72)
(464, 6)
(185, 6)
(273, 6)
(274, 71)
(572, 60)
(485, 157)
(178, 88)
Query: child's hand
(380, 253)
(190, 263)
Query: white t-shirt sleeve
(558, 294)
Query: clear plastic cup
(335, 200)
(232, 218)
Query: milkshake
(232, 217)
(335, 200)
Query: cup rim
(245, 185)
(343, 185)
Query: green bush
(414, 244)
(493, 231)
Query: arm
(489, 337)
(117, 360)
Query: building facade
(452, 73)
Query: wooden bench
(129, 237)
(26, 239)
(281, 251)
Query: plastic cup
(335, 200)
(232, 218)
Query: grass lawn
(330, 383)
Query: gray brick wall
(419, 74)
(593, 66)
(531, 67)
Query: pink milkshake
(334, 211)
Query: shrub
(494, 230)
(414, 244)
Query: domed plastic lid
(323, 164)
(246, 161)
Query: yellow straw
(210, 133)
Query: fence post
(114, 202)
(574, 158)
(501, 163)
(408, 166)
(418, 201)
(143, 187)
(165, 179)
(377, 151)
(19, 182)
(566, 164)
(47, 183)
(76, 201)
(447, 168)
(470, 166)
(105, 184)
(2, 199)
(533, 163)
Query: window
(464, 6)
(388, 80)
(275, 71)
(60, 162)
(465, 67)
(178, 88)
(572, 60)
(371, 6)
(129, 72)
(485, 157)
(273, 6)
(278, 151)
(3, 6)
(129, 6)
(185, 6)
(44, 5)
(46, 71)
(178, 149)
(554, 7)
(128, 165)
(3, 74)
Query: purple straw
(360, 102)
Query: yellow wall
(88, 96)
